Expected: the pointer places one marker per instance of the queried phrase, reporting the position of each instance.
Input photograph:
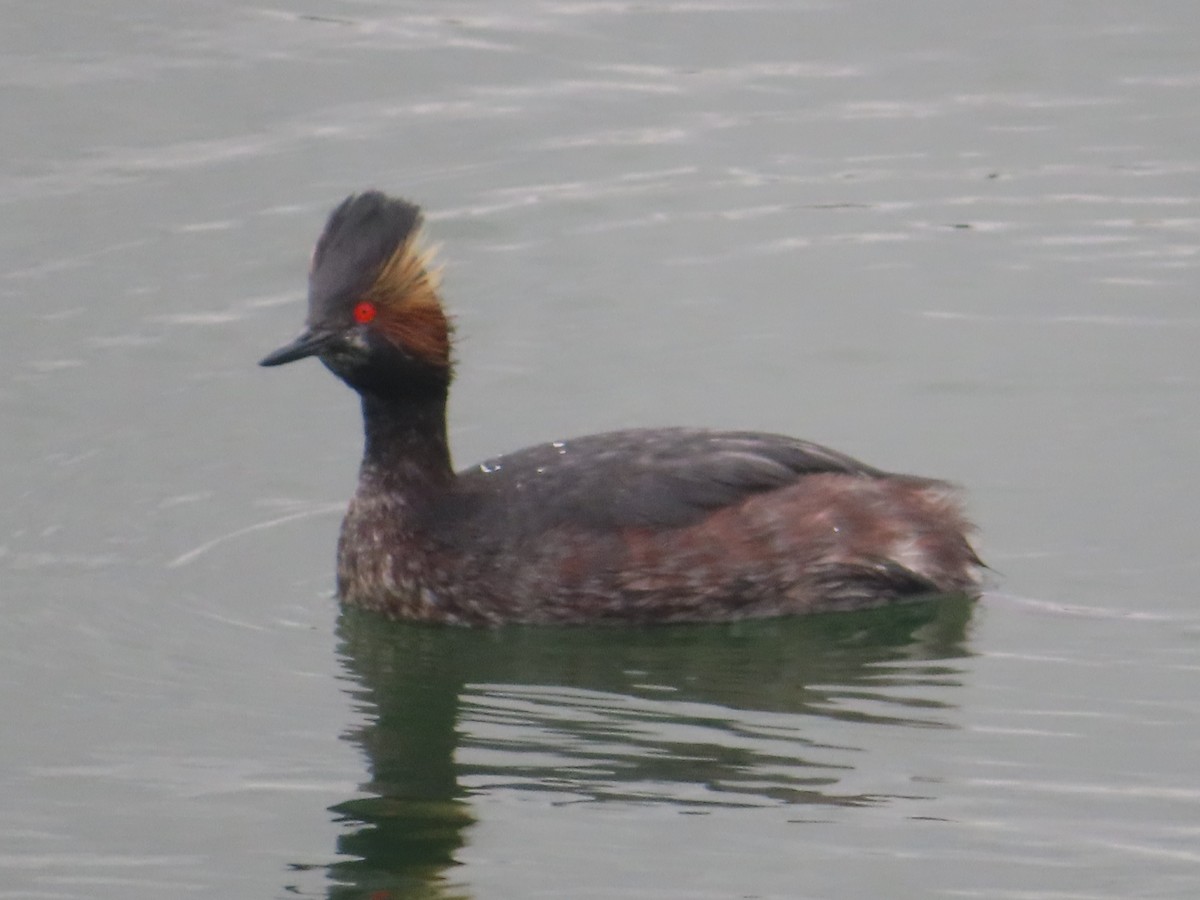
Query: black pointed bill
(308, 344)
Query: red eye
(364, 312)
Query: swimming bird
(644, 525)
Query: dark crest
(363, 233)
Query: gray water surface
(953, 238)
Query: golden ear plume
(410, 308)
(408, 278)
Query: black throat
(405, 438)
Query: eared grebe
(654, 525)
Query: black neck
(405, 434)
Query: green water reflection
(697, 716)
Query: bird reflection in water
(699, 717)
